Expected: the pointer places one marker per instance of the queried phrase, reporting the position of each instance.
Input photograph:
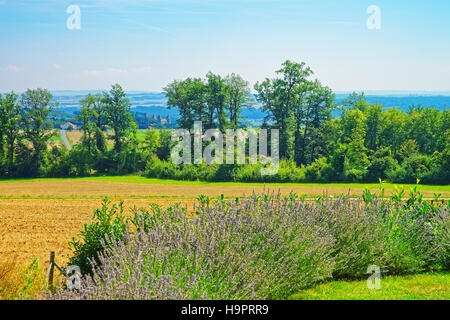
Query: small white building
(69, 126)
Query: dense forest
(364, 143)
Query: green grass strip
(134, 179)
(413, 287)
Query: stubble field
(39, 216)
(31, 228)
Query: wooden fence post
(51, 269)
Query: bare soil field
(31, 228)
(95, 189)
(37, 217)
(75, 136)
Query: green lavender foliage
(265, 246)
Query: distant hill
(155, 103)
(405, 101)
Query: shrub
(265, 247)
(160, 169)
(440, 169)
(247, 249)
(248, 173)
(380, 163)
(287, 172)
(109, 222)
(319, 171)
(355, 175)
(413, 168)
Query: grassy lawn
(57, 139)
(414, 287)
(144, 180)
(141, 134)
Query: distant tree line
(26, 130)
(364, 143)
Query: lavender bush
(261, 247)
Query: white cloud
(141, 69)
(92, 73)
(14, 68)
(56, 66)
(116, 71)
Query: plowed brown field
(90, 189)
(32, 228)
(37, 217)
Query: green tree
(373, 124)
(279, 96)
(151, 143)
(238, 97)
(381, 163)
(89, 120)
(357, 101)
(216, 99)
(354, 134)
(118, 115)
(37, 129)
(302, 114)
(10, 129)
(3, 121)
(408, 148)
(100, 121)
(189, 97)
(319, 104)
(392, 132)
(425, 126)
(165, 137)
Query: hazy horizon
(146, 44)
(366, 92)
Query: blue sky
(144, 45)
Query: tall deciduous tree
(319, 104)
(424, 126)
(117, 109)
(37, 128)
(238, 97)
(89, 120)
(279, 96)
(354, 134)
(393, 132)
(3, 121)
(100, 122)
(216, 99)
(189, 97)
(374, 120)
(299, 108)
(10, 117)
(355, 101)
